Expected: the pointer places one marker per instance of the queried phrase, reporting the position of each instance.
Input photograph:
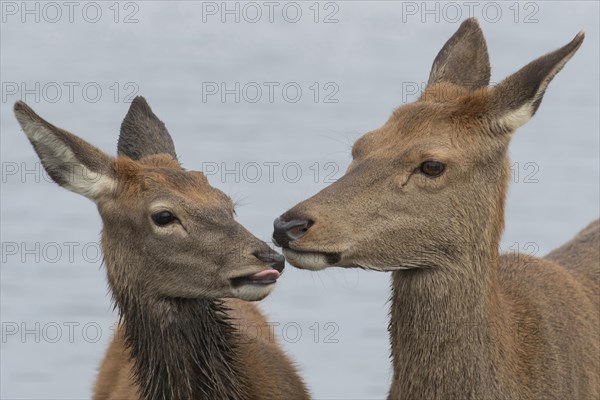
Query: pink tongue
(265, 275)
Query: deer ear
(143, 134)
(70, 161)
(464, 59)
(516, 99)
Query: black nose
(286, 231)
(272, 259)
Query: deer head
(429, 184)
(166, 232)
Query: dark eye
(162, 218)
(432, 168)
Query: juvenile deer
(424, 198)
(173, 253)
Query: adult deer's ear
(143, 134)
(516, 99)
(70, 161)
(464, 59)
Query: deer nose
(272, 259)
(286, 231)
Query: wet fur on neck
(183, 349)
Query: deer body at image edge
(424, 198)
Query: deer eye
(432, 168)
(162, 218)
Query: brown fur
(178, 339)
(269, 373)
(466, 323)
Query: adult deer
(173, 251)
(424, 198)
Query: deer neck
(445, 325)
(182, 349)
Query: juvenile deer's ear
(516, 99)
(70, 161)
(464, 59)
(143, 134)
